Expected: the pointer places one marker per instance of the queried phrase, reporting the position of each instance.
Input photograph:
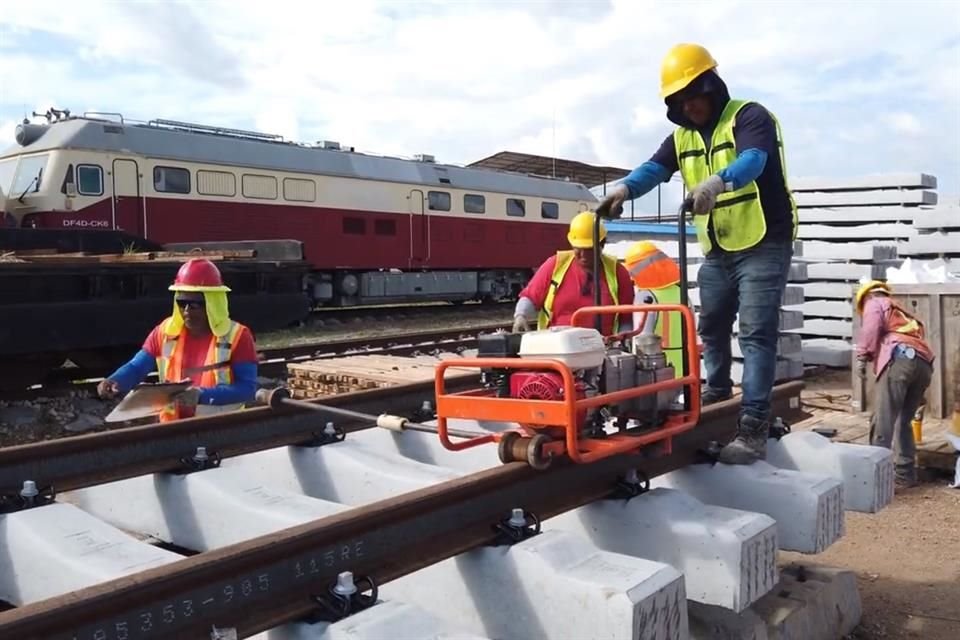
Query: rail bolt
(345, 586)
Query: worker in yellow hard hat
(893, 339)
(731, 157)
(656, 278)
(564, 283)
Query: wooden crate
(938, 307)
(316, 378)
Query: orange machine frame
(555, 415)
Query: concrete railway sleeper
(388, 534)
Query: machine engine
(591, 362)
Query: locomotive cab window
(171, 180)
(516, 207)
(473, 203)
(549, 210)
(89, 180)
(438, 200)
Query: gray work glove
(705, 194)
(611, 207)
(520, 324)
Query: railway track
(273, 361)
(282, 519)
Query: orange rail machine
(563, 385)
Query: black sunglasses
(196, 304)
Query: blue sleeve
(243, 389)
(657, 169)
(745, 169)
(133, 373)
(755, 134)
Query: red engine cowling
(546, 385)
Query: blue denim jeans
(750, 283)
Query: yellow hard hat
(580, 235)
(866, 288)
(681, 66)
(638, 251)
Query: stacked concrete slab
(936, 239)
(850, 228)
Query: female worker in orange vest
(893, 340)
(657, 278)
(198, 342)
(564, 283)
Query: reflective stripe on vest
(738, 221)
(670, 328)
(564, 260)
(216, 369)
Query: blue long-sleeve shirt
(243, 388)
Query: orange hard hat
(649, 267)
(198, 274)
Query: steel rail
(260, 583)
(273, 361)
(98, 458)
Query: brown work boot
(750, 444)
(904, 479)
(710, 396)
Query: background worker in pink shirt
(564, 283)
(903, 364)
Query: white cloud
(463, 80)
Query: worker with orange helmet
(893, 339)
(197, 342)
(564, 283)
(730, 155)
(656, 278)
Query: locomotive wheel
(535, 457)
(505, 446)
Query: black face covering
(707, 83)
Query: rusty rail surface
(97, 458)
(267, 581)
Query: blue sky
(859, 87)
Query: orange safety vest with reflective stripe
(907, 327)
(216, 367)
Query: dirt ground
(907, 561)
(906, 557)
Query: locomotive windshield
(28, 175)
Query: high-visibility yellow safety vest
(564, 260)
(738, 221)
(669, 327)
(217, 368)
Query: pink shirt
(877, 341)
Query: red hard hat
(198, 274)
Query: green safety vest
(564, 260)
(738, 221)
(673, 347)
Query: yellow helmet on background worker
(649, 267)
(681, 66)
(865, 289)
(580, 235)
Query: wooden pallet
(48, 256)
(317, 378)
(934, 452)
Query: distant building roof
(586, 174)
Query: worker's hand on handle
(705, 194)
(861, 368)
(108, 389)
(520, 324)
(611, 207)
